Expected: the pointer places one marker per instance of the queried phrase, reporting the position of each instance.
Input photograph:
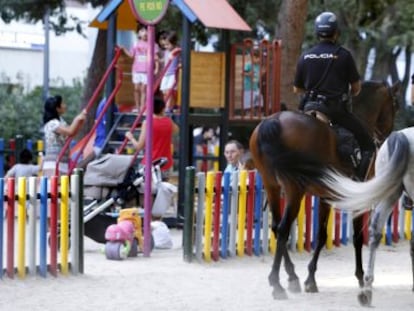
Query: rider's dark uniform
(332, 89)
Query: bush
(22, 114)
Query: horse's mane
(369, 86)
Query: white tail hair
(359, 197)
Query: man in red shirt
(163, 130)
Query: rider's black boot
(364, 164)
(407, 203)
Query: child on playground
(252, 95)
(25, 168)
(139, 52)
(171, 59)
(163, 129)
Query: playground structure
(226, 216)
(208, 105)
(205, 80)
(32, 246)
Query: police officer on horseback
(327, 77)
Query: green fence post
(79, 172)
(188, 213)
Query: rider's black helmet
(326, 24)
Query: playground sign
(149, 12)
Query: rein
(379, 136)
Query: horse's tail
(360, 196)
(287, 164)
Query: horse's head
(377, 104)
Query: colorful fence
(222, 223)
(41, 230)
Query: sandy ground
(165, 282)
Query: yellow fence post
(241, 220)
(208, 221)
(301, 226)
(329, 240)
(408, 225)
(64, 224)
(21, 227)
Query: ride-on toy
(125, 239)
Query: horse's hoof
(279, 294)
(311, 288)
(294, 286)
(365, 298)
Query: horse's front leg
(412, 255)
(379, 217)
(283, 230)
(310, 283)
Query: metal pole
(46, 54)
(224, 130)
(148, 142)
(110, 54)
(184, 159)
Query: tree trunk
(291, 30)
(95, 73)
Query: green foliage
(21, 113)
(404, 118)
(33, 11)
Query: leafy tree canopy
(22, 113)
(33, 11)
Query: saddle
(347, 146)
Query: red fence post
(10, 228)
(216, 217)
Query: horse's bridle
(394, 97)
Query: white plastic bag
(163, 198)
(161, 235)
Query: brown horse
(288, 148)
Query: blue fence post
(344, 239)
(225, 215)
(43, 227)
(258, 212)
(29, 145)
(388, 234)
(2, 156)
(315, 221)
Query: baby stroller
(111, 184)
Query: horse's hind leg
(310, 283)
(378, 219)
(290, 213)
(293, 279)
(274, 202)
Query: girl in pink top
(139, 52)
(168, 83)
